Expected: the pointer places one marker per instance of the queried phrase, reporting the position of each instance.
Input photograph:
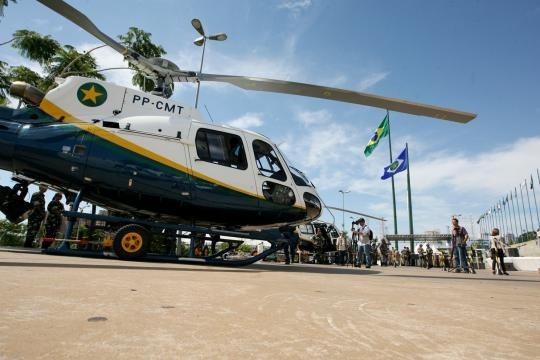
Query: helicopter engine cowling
(28, 93)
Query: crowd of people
(363, 250)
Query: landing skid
(132, 239)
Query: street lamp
(343, 207)
(202, 41)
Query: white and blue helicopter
(157, 164)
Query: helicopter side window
(221, 148)
(79, 150)
(267, 161)
(304, 229)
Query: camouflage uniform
(54, 216)
(35, 218)
(383, 248)
(429, 255)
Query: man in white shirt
(364, 243)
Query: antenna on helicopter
(209, 115)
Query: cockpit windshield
(299, 177)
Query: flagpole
(505, 215)
(524, 212)
(501, 218)
(490, 219)
(513, 225)
(411, 230)
(535, 203)
(529, 202)
(393, 187)
(520, 229)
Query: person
(383, 248)
(341, 245)
(364, 246)
(429, 256)
(459, 243)
(406, 256)
(289, 246)
(293, 245)
(421, 255)
(497, 253)
(54, 219)
(396, 257)
(36, 216)
(318, 239)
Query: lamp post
(202, 41)
(343, 207)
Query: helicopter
(150, 160)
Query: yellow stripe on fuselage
(57, 112)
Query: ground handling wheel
(131, 242)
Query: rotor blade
(328, 93)
(79, 19)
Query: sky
(479, 56)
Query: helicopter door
(77, 153)
(221, 170)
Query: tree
(526, 236)
(11, 234)
(22, 73)
(5, 3)
(56, 61)
(68, 61)
(35, 46)
(4, 82)
(139, 41)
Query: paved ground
(56, 307)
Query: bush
(11, 234)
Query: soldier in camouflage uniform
(429, 256)
(36, 216)
(54, 219)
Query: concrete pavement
(58, 307)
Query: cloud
(445, 183)
(295, 6)
(107, 58)
(321, 148)
(372, 80)
(247, 121)
(490, 173)
(308, 118)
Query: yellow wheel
(131, 242)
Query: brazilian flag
(380, 132)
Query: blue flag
(401, 163)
